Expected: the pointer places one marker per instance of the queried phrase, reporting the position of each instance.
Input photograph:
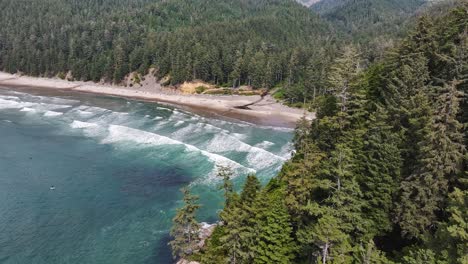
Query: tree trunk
(325, 253)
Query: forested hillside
(255, 42)
(374, 24)
(379, 177)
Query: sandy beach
(266, 112)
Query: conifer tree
(273, 242)
(453, 235)
(420, 255)
(331, 244)
(300, 175)
(250, 190)
(226, 174)
(342, 75)
(441, 154)
(239, 233)
(368, 253)
(380, 174)
(185, 228)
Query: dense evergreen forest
(371, 23)
(379, 177)
(245, 42)
(260, 43)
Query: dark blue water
(117, 167)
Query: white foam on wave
(89, 129)
(286, 150)
(52, 114)
(265, 144)
(45, 106)
(179, 123)
(276, 128)
(212, 128)
(15, 103)
(185, 131)
(239, 136)
(256, 157)
(79, 124)
(87, 111)
(12, 104)
(84, 113)
(27, 109)
(58, 100)
(92, 109)
(163, 108)
(9, 97)
(111, 117)
(119, 133)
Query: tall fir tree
(273, 241)
(185, 228)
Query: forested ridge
(260, 43)
(379, 177)
(253, 42)
(374, 24)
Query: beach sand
(266, 112)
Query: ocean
(96, 179)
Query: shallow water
(117, 166)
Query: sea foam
(12, 104)
(52, 114)
(256, 157)
(79, 124)
(119, 133)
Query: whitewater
(117, 166)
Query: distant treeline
(253, 42)
(260, 43)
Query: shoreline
(267, 112)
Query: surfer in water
(52, 187)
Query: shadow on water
(162, 253)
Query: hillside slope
(374, 24)
(381, 176)
(220, 41)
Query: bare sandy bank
(266, 112)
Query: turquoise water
(117, 166)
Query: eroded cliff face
(205, 232)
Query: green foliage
(185, 228)
(215, 251)
(380, 175)
(453, 234)
(273, 242)
(368, 253)
(371, 23)
(250, 190)
(418, 256)
(226, 174)
(380, 170)
(200, 89)
(184, 40)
